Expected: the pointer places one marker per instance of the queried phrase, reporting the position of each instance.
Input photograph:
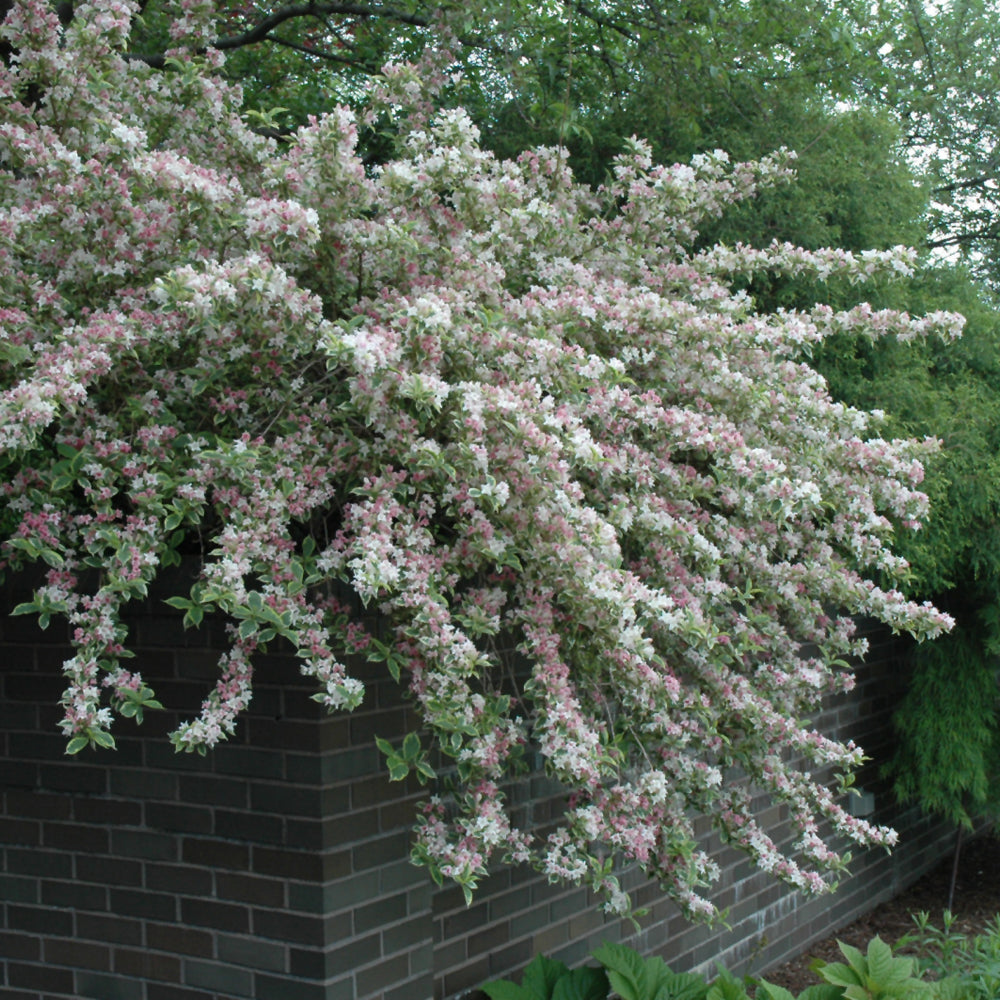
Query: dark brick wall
(277, 866)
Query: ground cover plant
(512, 414)
(970, 962)
(875, 974)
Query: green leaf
(586, 983)
(26, 545)
(769, 991)
(28, 608)
(194, 616)
(883, 969)
(839, 974)
(180, 603)
(425, 772)
(683, 986)
(103, 739)
(821, 991)
(411, 746)
(392, 662)
(541, 976)
(76, 744)
(269, 615)
(626, 970)
(247, 628)
(504, 989)
(858, 993)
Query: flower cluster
(525, 422)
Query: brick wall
(277, 866)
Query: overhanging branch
(261, 31)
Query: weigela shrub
(522, 420)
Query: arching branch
(262, 30)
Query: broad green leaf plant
(624, 974)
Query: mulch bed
(977, 902)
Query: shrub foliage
(511, 414)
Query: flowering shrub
(518, 417)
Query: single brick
(143, 904)
(218, 976)
(24, 861)
(377, 977)
(214, 791)
(214, 853)
(144, 964)
(75, 895)
(18, 774)
(21, 832)
(293, 928)
(305, 866)
(250, 889)
(145, 844)
(78, 779)
(405, 936)
(252, 953)
(218, 916)
(179, 818)
(45, 978)
(180, 940)
(108, 811)
(251, 827)
(101, 987)
(39, 920)
(162, 991)
(77, 954)
(143, 785)
(76, 837)
(285, 799)
(269, 987)
(186, 880)
(14, 945)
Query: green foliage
(951, 392)
(947, 727)
(728, 987)
(853, 188)
(944, 83)
(546, 979)
(410, 756)
(821, 991)
(876, 975)
(635, 978)
(963, 968)
(947, 749)
(623, 972)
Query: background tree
(948, 744)
(942, 82)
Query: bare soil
(976, 903)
